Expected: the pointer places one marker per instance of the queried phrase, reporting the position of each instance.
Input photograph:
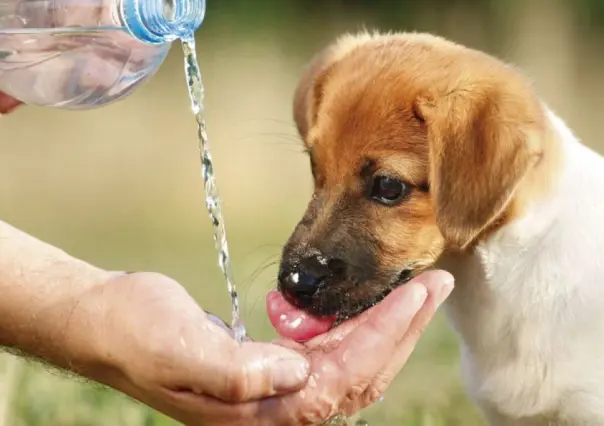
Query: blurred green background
(120, 186)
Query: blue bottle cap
(162, 21)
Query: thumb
(252, 371)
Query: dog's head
(417, 145)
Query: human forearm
(45, 308)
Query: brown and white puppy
(424, 153)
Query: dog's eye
(387, 190)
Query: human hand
(7, 103)
(169, 354)
(353, 364)
(166, 352)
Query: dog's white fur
(529, 304)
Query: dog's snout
(302, 280)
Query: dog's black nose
(305, 278)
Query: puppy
(426, 153)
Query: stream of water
(212, 198)
(196, 95)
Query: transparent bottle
(81, 54)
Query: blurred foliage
(263, 14)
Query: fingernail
(290, 374)
(445, 289)
(418, 297)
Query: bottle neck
(162, 21)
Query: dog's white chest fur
(529, 305)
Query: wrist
(66, 331)
(50, 307)
(86, 341)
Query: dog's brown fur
(462, 128)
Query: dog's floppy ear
(307, 96)
(482, 142)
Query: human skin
(7, 103)
(142, 334)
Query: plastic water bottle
(81, 54)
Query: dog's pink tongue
(293, 323)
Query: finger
(333, 382)
(439, 285)
(195, 409)
(385, 326)
(345, 380)
(345, 372)
(249, 371)
(300, 409)
(192, 409)
(339, 333)
(7, 103)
